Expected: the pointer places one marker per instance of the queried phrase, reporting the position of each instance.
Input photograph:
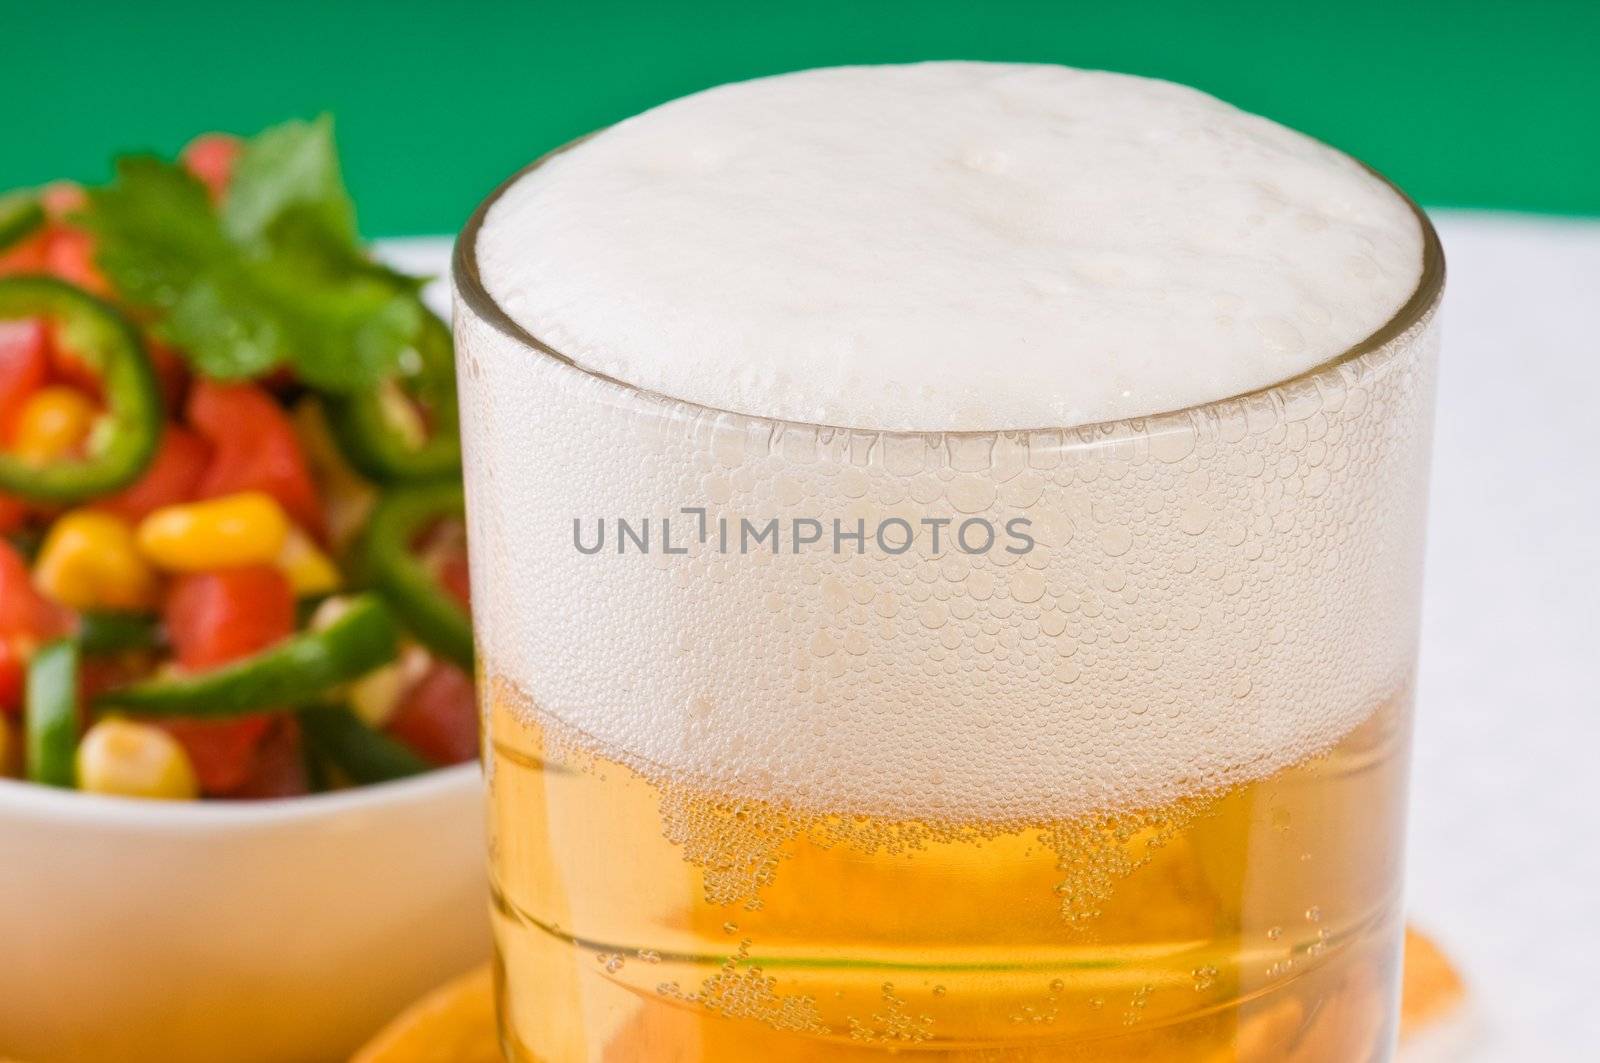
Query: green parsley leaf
(277, 279)
(287, 194)
(290, 166)
(157, 231)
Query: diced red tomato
(453, 576)
(220, 750)
(213, 618)
(438, 718)
(277, 767)
(24, 366)
(254, 447)
(24, 612)
(68, 249)
(69, 254)
(173, 477)
(13, 513)
(211, 157)
(27, 618)
(11, 679)
(216, 617)
(25, 256)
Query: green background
(1464, 104)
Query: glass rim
(467, 282)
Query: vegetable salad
(233, 561)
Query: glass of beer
(946, 547)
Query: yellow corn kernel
(248, 528)
(90, 560)
(310, 571)
(135, 760)
(53, 423)
(375, 696)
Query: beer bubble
(1116, 540)
(971, 494)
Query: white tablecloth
(1505, 827)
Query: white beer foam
(949, 246)
(1216, 594)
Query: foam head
(950, 246)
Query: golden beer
(815, 741)
(639, 919)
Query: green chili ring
(51, 704)
(370, 440)
(294, 672)
(437, 620)
(105, 633)
(21, 215)
(124, 441)
(364, 755)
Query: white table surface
(1505, 816)
(1505, 824)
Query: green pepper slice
(104, 633)
(435, 618)
(375, 437)
(21, 214)
(364, 755)
(291, 673)
(124, 441)
(51, 707)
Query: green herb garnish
(276, 277)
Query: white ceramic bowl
(272, 932)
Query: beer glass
(812, 743)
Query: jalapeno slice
(364, 755)
(379, 430)
(424, 607)
(51, 707)
(124, 441)
(106, 633)
(293, 672)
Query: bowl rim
(19, 798)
